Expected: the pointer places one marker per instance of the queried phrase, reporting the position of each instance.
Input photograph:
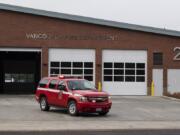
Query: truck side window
(62, 86)
(53, 84)
(43, 83)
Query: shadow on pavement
(64, 111)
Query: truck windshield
(80, 85)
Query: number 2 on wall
(177, 51)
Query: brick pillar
(98, 66)
(165, 83)
(45, 65)
(149, 70)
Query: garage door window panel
(77, 71)
(118, 72)
(19, 78)
(129, 65)
(130, 78)
(118, 65)
(118, 78)
(140, 65)
(89, 78)
(130, 72)
(78, 64)
(113, 71)
(140, 78)
(108, 65)
(84, 69)
(88, 71)
(140, 72)
(88, 64)
(54, 68)
(66, 71)
(55, 64)
(65, 68)
(54, 71)
(108, 72)
(107, 78)
(65, 64)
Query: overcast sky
(156, 13)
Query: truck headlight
(109, 97)
(83, 99)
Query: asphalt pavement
(22, 113)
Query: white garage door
(72, 62)
(124, 72)
(173, 80)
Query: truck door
(63, 94)
(53, 92)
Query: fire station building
(125, 58)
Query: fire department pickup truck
(75, 94)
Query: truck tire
(72, 108)
(44, 104)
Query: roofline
(90, 20)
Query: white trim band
(53, 90)
(21, 49)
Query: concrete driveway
(128, 112)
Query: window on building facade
(158, 58)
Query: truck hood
(90, 93)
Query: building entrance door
(158, 82)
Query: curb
(100, 126)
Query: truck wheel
(72, 108)
(44, 104)
(103, 113)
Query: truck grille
(97, 99)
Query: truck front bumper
(93, 107)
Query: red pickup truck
(77, 95)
